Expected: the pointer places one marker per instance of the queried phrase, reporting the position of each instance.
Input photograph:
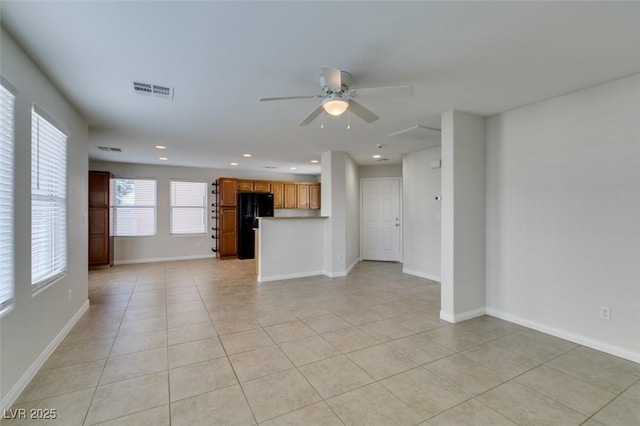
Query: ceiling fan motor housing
(345, 80)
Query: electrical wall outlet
(605, 312)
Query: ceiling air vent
(109, 149)
(269, 167)
(149, 89)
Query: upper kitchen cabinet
(261, 186)
(290, 196)
(245, 186)
(254, 186)
(228, 192)
(278, 194)
(302, 201)
(314, 196)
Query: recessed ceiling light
(377, 156)
(163, 158)
(161, 147)
(234, 164)
(246, 155)
(293, 168)
(314, 161)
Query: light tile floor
(201, 343)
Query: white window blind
(7, 101)
(133, 203)
(48, 200)
(188, 207)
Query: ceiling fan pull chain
(348, 120)
(322, 121)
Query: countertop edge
(294, 217)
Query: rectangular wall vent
(109, 149)
(149, 89)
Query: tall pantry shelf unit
(100, 248)
(214, 217)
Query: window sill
(39, 288)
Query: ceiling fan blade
(390, 91)
(332, 78)
(285, 98)
(309, 118)
(362, 112)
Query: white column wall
(352, 206)
(340, 202)
(463, 216)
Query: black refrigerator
(251, 205)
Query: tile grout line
(84, 420)
(246, 400)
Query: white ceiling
(479, 57)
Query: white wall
(379, 171)
(352, 205)
(341, 203)
(421, 214)
(290, 248)
(463, 216)
(164, 246)
(37, 323)
(563, 216)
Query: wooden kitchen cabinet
(100, 239)
(254, 186)
(290, 196)
(245, 185)
(261, 186)
(227, 192)
(278, 194)
(228, 232)
(314, 196)
(286, 195)
(302, 201)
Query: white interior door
(381, 227)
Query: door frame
(399, 181)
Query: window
(7, 101)
(133, 203)
(188, 206)
(48, 200)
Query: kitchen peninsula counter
(290, 247)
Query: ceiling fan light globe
(335, 107)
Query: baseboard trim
(421, 275)
(163, 259)
(563, 334)
(345, 272)
(28, 375)
(462, 316)
(355, 262)
(264, 279)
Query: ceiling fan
(338, 96)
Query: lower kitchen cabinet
(228, 232)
